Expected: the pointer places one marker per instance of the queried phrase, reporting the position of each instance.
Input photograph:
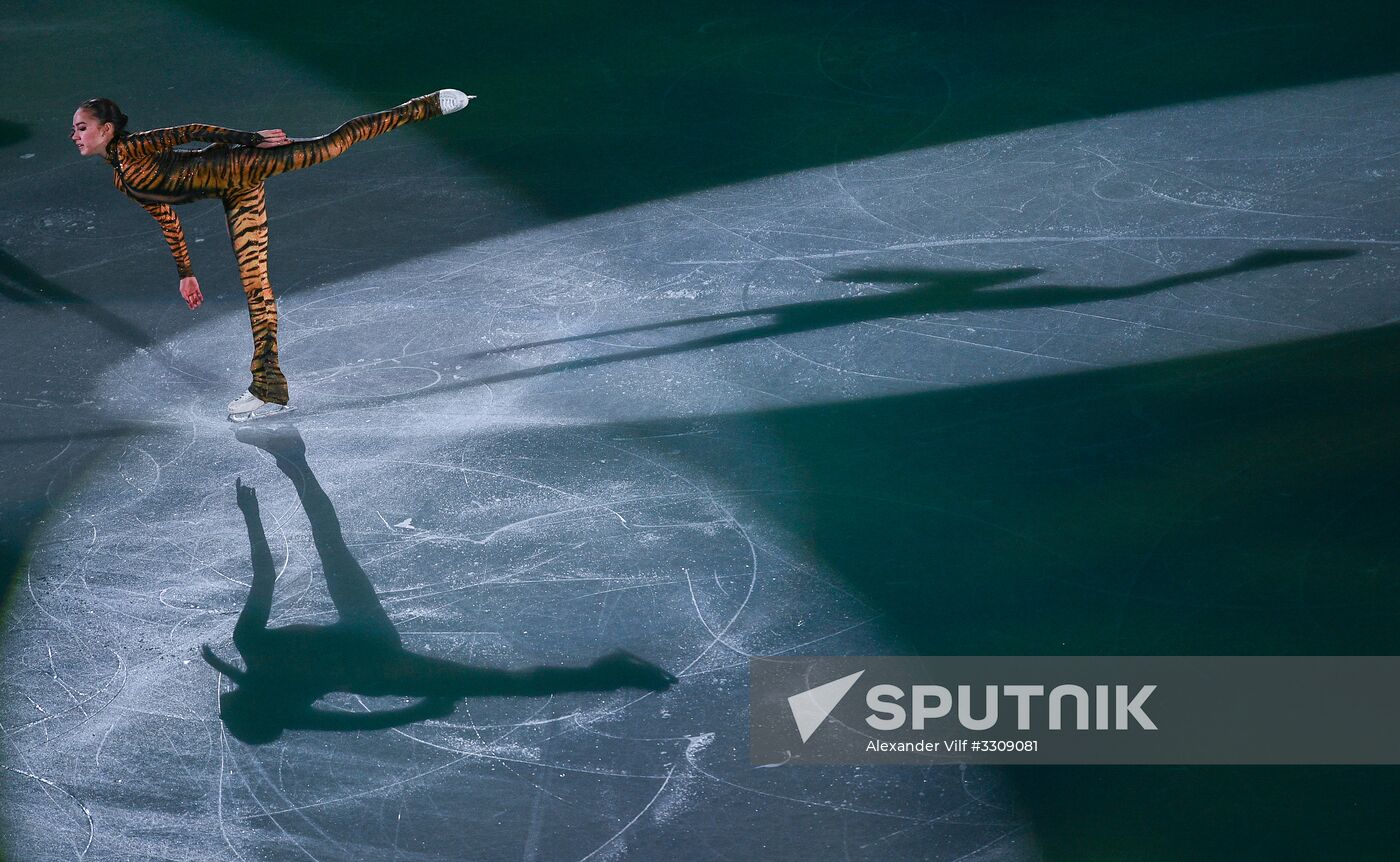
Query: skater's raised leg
(257, 164)
(408, 673)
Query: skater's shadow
(19, 283)
(289, 668)
(934, 292)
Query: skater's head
(95, 124)
(249, 718)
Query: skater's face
(90, 135)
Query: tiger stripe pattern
(246, 211)
(174, 236)
(147, 168)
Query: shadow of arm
(258, 607)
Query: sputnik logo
(811, 707)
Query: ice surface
(549, 442)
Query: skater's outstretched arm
(336, 719)
(256, 610)
(158, 140)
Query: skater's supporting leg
(253, 165)
(246, 209)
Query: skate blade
(267, 411)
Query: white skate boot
(248, 407)
(246, 401)
(452, 101)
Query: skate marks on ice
(508, 552)
(933, 292)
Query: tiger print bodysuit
(148, 169)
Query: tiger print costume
(148, 169)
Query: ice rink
(705, 333)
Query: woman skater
(148, 169)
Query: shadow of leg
(349, 587)
(414, 675)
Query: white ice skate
(248, 407)
(452, 101)
(246, 401)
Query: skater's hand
(273, 138)
(247, 497)
(189, 289)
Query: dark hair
(106, 111)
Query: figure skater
(148, 169)
(290, 667)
